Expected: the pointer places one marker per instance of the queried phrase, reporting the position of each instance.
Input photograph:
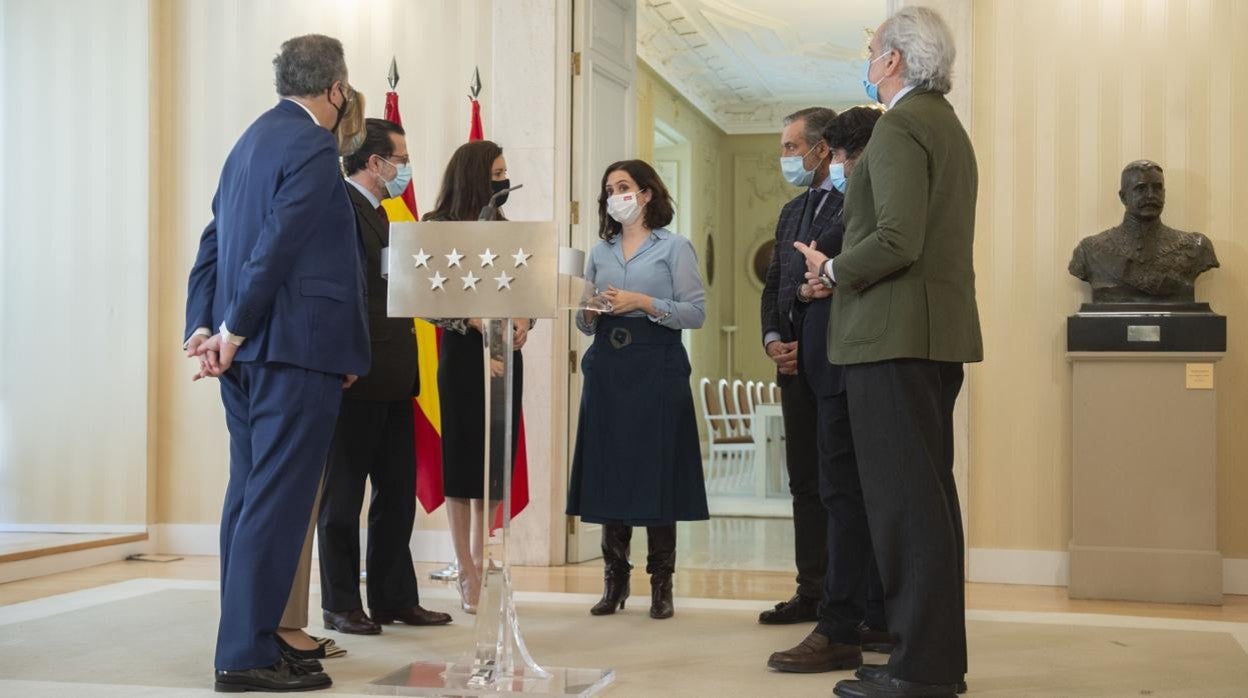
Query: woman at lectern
(637, 461)
(476, 171)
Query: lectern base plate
(451, 679)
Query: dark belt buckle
(620, 337)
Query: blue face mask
(872, 88)
(793, 167)
(836, 173)
(402, 175)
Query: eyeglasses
(399, 160)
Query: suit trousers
(280, 419)
(296, 614)
(810, 520)
(852, 592)
(901, 415)
(373, 440)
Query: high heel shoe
(614, 594)
(469, 608)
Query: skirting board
(66, 562)
(1052, 568)
(71, 528)
(204, 539)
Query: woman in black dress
(476, 171)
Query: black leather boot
(661, 563)
(616, 569)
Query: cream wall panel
(216, 77)
(657, 99)
(758, 193)
(73, 250)
(1065, 94)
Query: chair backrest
(710, 407)
(773, 391)
(741, 400)
(759, 399)
(725, 400)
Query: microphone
(488, 211)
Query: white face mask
(624, 208)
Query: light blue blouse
(665, 268)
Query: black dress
(461, 387)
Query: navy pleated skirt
(637, 460)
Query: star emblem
(422, 259)
(487, 259)
(504, 281)
(436, 281)
(521, 257)
(470, 281)
(452, 259)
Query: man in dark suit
(851, 615)
(903, 322)
(374, 436)
(804, 163)
(279, 275)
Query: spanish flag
(428, 412)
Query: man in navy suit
(279, 278)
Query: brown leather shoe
(411, 616)
(352, 622)
(817, 654)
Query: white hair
(925, 44)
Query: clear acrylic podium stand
(497, 271)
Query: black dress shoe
(410, 616)
(279, 678)
(880, 641)
(352, 622)
(305, 664)
(816, 654)
(876, 672)
(289, 649)
(889, 687)
(798, 609)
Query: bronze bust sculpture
(1142, 260)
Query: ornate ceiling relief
(746, 64)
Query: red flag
(427, 411)
(520, 474)
(392, 114)
(475, 132)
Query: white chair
(758, 393)
(729, 450)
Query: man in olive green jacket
(903, 321)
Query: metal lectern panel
(491, 269)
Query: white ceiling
(748, 63)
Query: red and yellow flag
(428, 408)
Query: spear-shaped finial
(474, 88)
(393, 75)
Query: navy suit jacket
(825, 378)
(280, 263)
(787, 270)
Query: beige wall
(74, 366)
(215, 77)
(751, 173)
(736, 195)
(657, 99)
(1064, 94)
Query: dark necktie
(808, 214)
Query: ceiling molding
(746, 64)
